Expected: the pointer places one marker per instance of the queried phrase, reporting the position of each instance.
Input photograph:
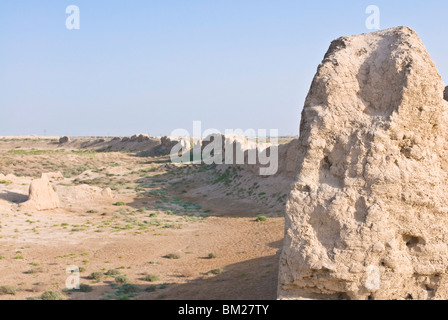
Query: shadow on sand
(254, 279)
(13, 197)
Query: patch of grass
(119, 203)
(112, 272)
(163, 286)
(172, 256)
(52, 295)
(84, 152)
(5, 182)
(151, 288)
(124, 292)
(97, 276)
(157, 192)
(224, 177)
(92, 211)
(85, 288)
(217, 271)
(212, 255)
(121, 279)
(128, 288)
(34, 152)
(152, 277)
(8, 290)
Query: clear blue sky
(156, 65)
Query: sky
(153, 66)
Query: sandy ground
(159, 215)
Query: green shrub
(97, 276)
(8, 290)
(172, 256)
(52, 295)
(212, 255)
(217, 271)
(85, 287)
(152, 277)
(119, 203)
(163, 286)
(151, 288)
(121, 279)
(124, 292)
(261, 218)
(128, 288)
(113, 272)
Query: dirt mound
(83, 193)
(42, 196)
(136, 143)
(367, 216)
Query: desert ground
(162, 231)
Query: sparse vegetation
(121, 279)
(8, 290)
(112, 273)
(124, 292)
(163, 286)
(52, 295)
(159, 213)
(152, 277)
(212, 255)
(34, 152)
(151, 288)
(97, 276)
(217, 271)
(85, 288)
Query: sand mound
(367, 217)
(55, 176)
(83, 193)
(42, 195)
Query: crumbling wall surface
(367, 217)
